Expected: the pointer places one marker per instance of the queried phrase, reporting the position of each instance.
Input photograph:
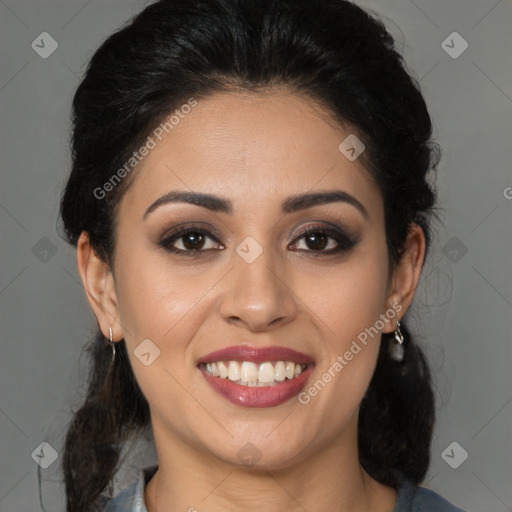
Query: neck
(328, 479)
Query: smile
(256, 377)
(247, 373)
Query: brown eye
(193, 240)
(190, 241)
(323, 240)
(316, 241)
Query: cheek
(158, 303)
(348, 304)
(153, 297)
(348, 298)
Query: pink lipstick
(256, 377)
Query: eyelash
(344, 241)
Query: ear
(99, 286)
(406, 275)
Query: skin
(254, 150)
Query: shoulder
(131, 498)
(411, 498)
(426, 500)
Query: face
(248, 240)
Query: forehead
(247, 145)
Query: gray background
(462, 312)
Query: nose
(256, 295)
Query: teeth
(251, 374)
(223, 370)
(290, 369)
(214, 369)
(266, 373)
(280, 371)
(234, 371)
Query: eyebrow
(290, 205)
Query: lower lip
(267, 396)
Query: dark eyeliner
(175, 234)
(345, 242)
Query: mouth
(256, 377)
(248, 373)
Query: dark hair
(330, 51)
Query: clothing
(410, 498)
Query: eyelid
(174, 234)
(344, 240)
(327, 227)
(203, 227)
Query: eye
(323, 240)
(194, 241)
(190, 240)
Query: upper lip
(256, 355)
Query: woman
(250, 202)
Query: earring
(112, 344)
(396, 348)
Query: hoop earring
(112, 344)
(396, 348)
